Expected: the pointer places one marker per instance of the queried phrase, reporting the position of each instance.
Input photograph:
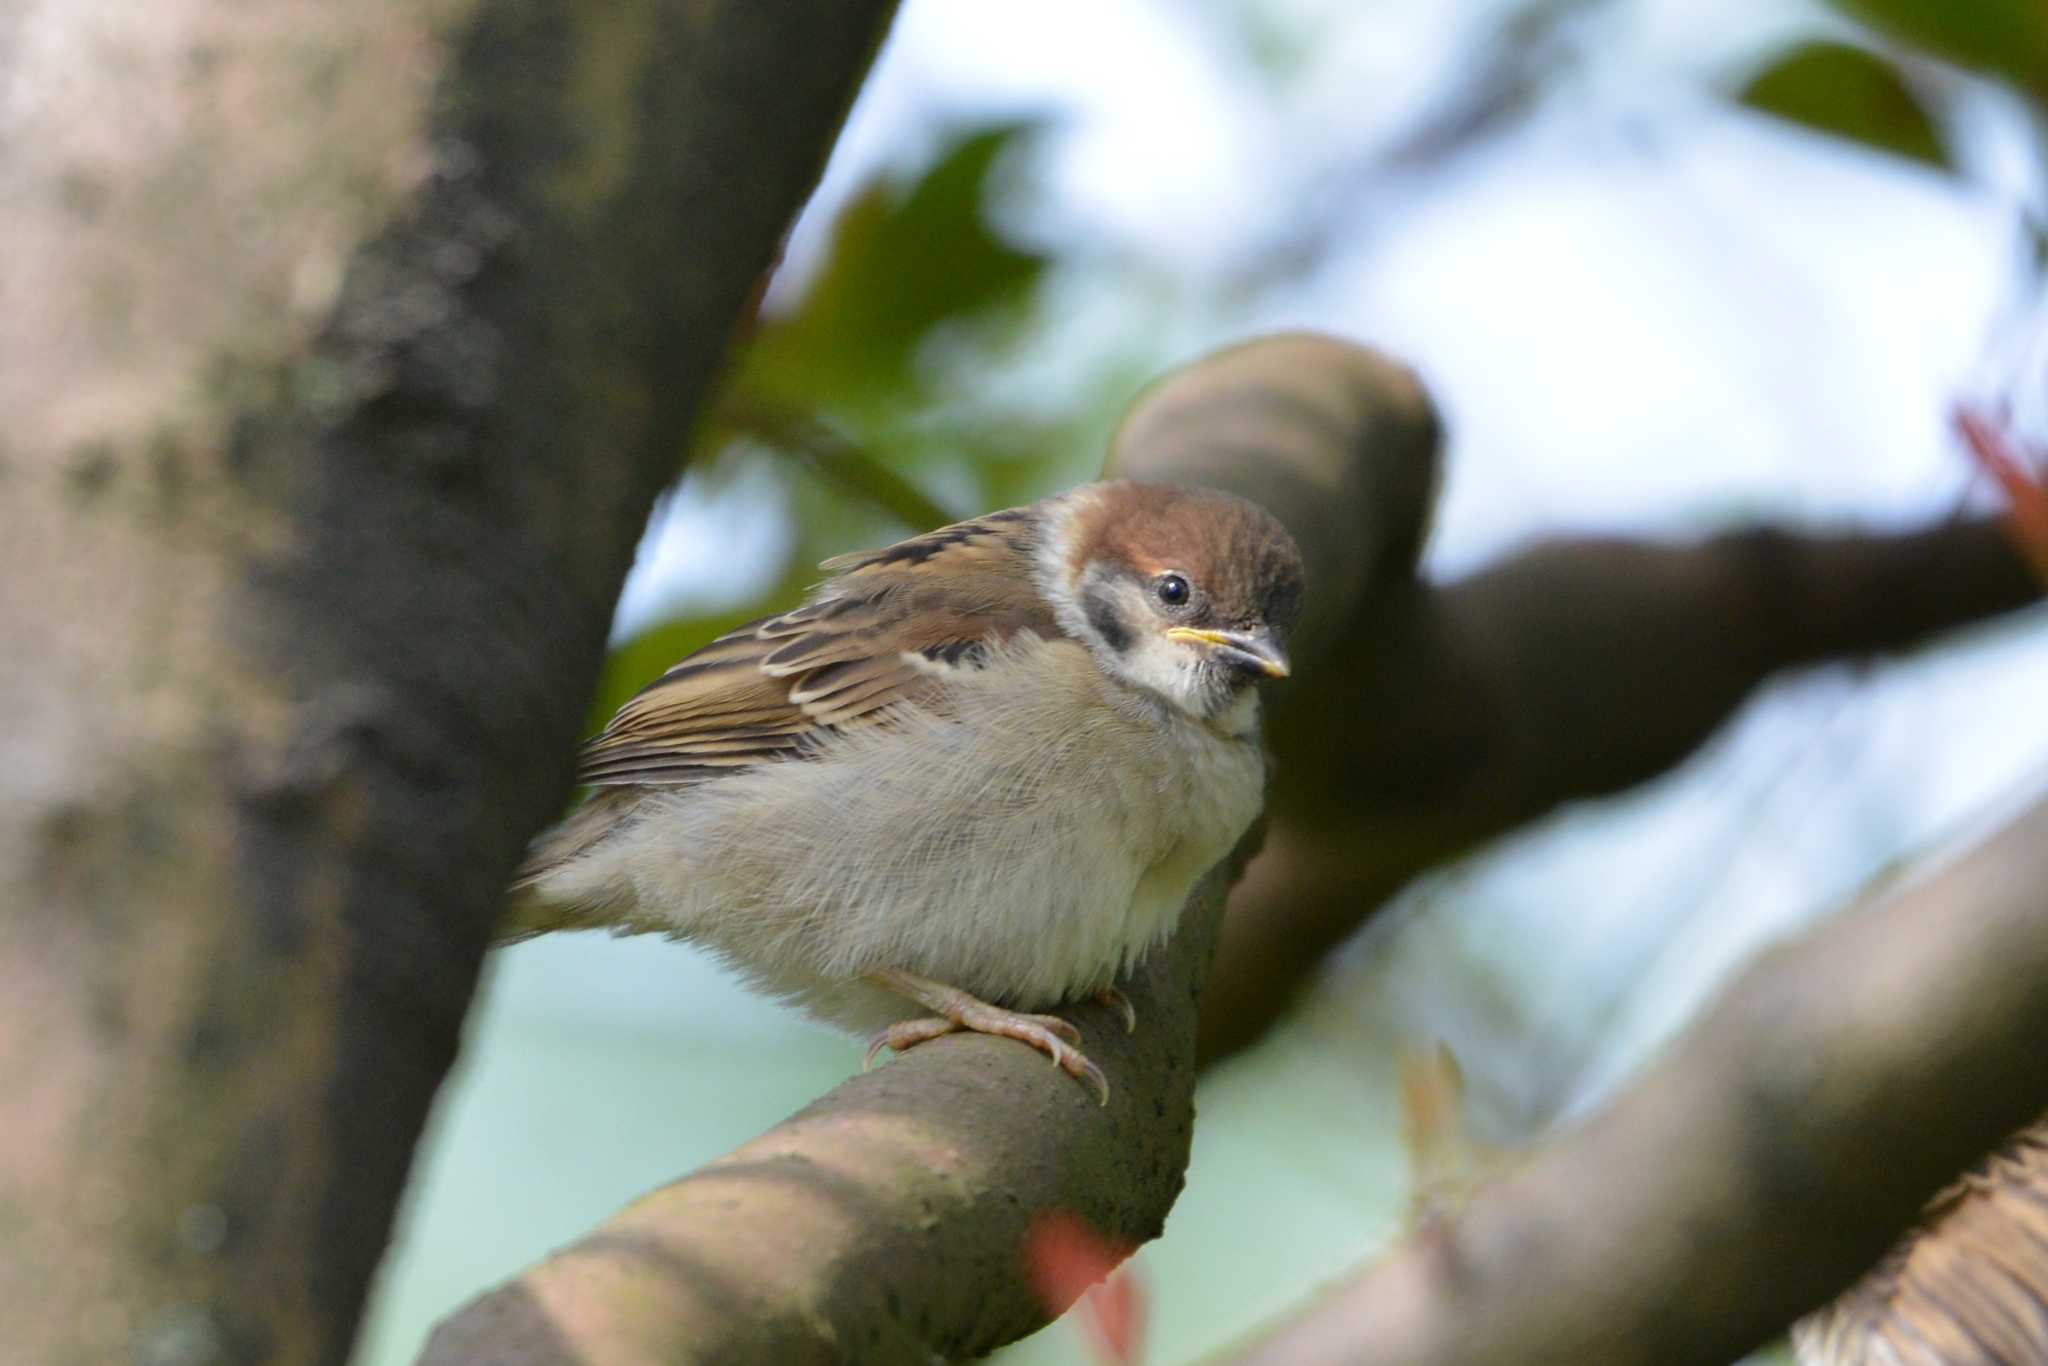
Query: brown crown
(1235, 551)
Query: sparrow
(973, 776)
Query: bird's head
(1188, 593)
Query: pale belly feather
(1010, 850)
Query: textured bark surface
(1771, 1156)
(343, 350)
(886, 1223)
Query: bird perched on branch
(974, 775)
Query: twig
(836, 457)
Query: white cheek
(1166, 668)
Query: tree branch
(885, 1223)
(1577, 668)
(1769, 1159)
(349, 347)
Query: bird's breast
(1101, 810)
(1024, 841)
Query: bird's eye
(1172, 589)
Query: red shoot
(1070, 1261)
(2026, 489)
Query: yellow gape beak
(1252, 651)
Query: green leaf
(2007, 38)
(902, 262)
(1850, 93)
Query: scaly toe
(905, 1034)
(1051, 1036)
(1054, 1025)
(1058, 1039)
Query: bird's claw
(1121, 1004)
(1058, 1039)
(905, 1034)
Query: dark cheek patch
(1102, 616)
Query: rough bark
(1767, 1160)
(886, 1222)
(345, 348)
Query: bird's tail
(530, 907)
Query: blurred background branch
(1761, 1165)
(853, 469)
(1454, 713)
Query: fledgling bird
(974, 774)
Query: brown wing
(843, 659)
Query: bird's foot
(1121, 1004)
(956, 1010)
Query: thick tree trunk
(342, 351)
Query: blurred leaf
(1446, 1164)
(1849, 92)
(2008, 38)
(1070, 1262)
(2021, 475)
(902, 262)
